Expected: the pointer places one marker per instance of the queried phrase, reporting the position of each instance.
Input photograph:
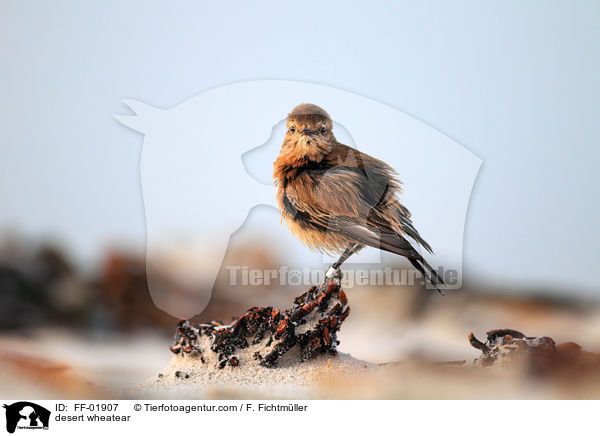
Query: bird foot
(333, 273)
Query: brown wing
(357, 199)
(365, 189)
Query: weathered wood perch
(266, 334)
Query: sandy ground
(58, 364)
(187, 377)
(344, 377)
(61, 366)
(384, 326)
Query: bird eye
(292, 129)
(323, 129)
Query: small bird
(336, 199)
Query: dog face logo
(26, 415)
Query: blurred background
(516, 84)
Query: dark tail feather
(434, 278)
(434, 273)
(399, 245)
(393, 243)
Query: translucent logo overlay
(206, 175)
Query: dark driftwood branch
(478, 344)
(541, 355)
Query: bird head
(309, 132)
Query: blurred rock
(540, 356)
(38, 286)
(124, 289)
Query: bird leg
(345, 255)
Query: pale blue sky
(514, 82)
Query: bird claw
(333, 273)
